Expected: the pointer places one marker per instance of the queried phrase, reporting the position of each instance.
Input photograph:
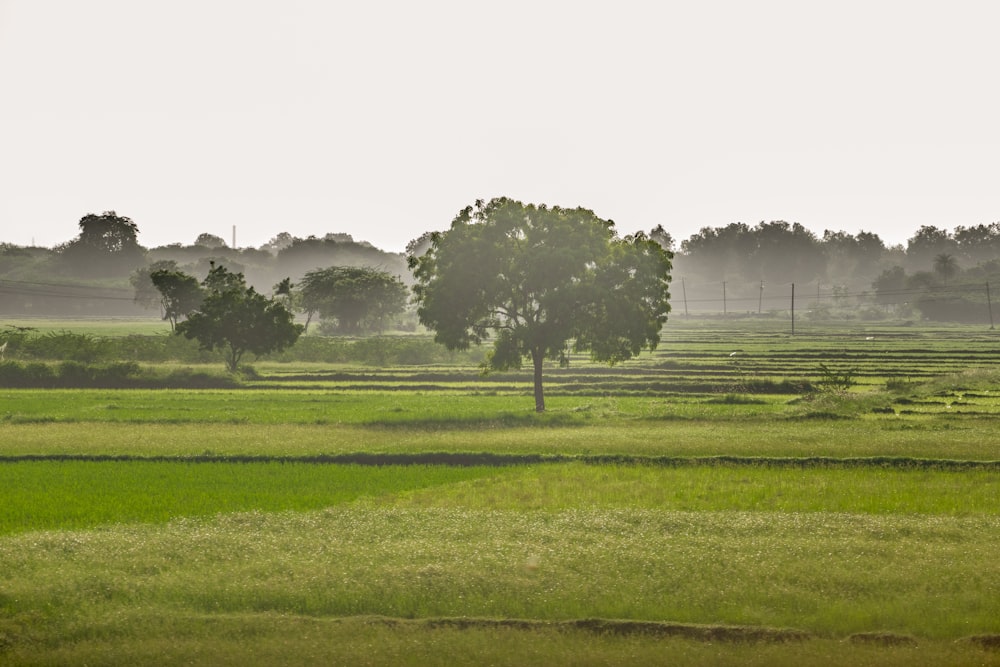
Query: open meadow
(741, 496)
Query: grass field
(124, 326)
(689, 508)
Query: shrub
(68, 346)
(33, 375)
(74, 374)
(835, 381)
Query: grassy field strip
(73, 494)
(252, 406)
(723, 488)
(830, 574)
(237, 640)
(739, 497)
(445, 410)
(46, 495)
(917, 437)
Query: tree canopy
(107, 244)
(355, 299)
(179, 293)
(537, 278)
(236, 319)
(206, 240)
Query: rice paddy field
(741, 496)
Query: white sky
(382, 119)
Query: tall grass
(830, 574)
(148, 637)
(442, 410)
(913, 436)
(722, 488)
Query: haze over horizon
(383, 120)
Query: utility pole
(685, 292)
(725, 310)
(760, 297)
(793, 309)
(989, 303)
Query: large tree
(107, 244)
(538, 278)
(356, 299)
(236, 319)
(979, 243)
(926, 244)
(206, 240)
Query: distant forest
(738, 270)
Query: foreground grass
(283, 639)
(829, 574)
(868, 566)
(175, 563)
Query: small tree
(179, 294)
(236, 319)
(146, 294)
(946, 266)
(360, 299)
(283, 291)
(538, 277)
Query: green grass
(406, 409)
(94, 425)
(56, 495)
(723, 488)
(123, 326)
(829, 574)
(273, 639)
(172, 562)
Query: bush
(33, 375)
(116, 373)
(86, 350)
(119, 375)
(376, 351)
(74, 374)
(68, 346)
(952, 308)
(186, 378)
(835, 381)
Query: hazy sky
(384, 119)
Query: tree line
(937, 274)
(537, 282)
(104, 270)
(96, 273)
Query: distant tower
(234, 237)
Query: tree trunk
(233, 359)
(537, 357)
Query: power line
(25, 288)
